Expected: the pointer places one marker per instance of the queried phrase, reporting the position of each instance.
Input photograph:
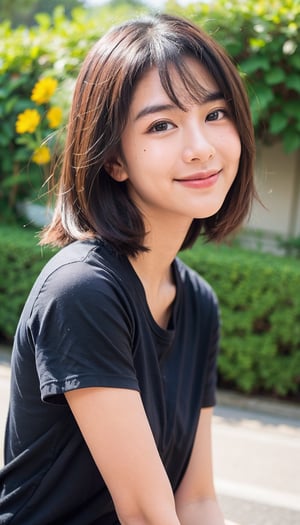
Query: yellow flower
(28, 121)
(43, 90)
(54, 117)
(41, 155)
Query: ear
(116, 169)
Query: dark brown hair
(90, 202)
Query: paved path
(256, 459)
(257, 466)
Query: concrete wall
(278, 183)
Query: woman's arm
(195, 498)
(115, 427)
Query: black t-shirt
(86, 323)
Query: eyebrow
(156, 108)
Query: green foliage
(259, 297)
(291, 245)
(21, 260)
(23, 11)
(55, 47)
(263, 38)
(15, 179)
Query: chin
(209, 211)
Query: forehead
(185, 85)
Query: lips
(201, 175)
(202, 180)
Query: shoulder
(80, 263)
(80, 274)
(195, 285)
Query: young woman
(114, 359)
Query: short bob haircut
(90, 202)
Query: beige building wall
(297, 195)
(278, 183)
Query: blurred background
(256, 274)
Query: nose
(197, 146)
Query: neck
(164, 241)
(154, 268)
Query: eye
(218, 114)
(162, 125)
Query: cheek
(238, 146)
(232, 147)
(236, 142)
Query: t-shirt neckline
(170, 330)
(164, 333)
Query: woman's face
(178, 163)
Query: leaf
(44, 20)
(275, 76)
(263, 96)
(22, 155)
(234, 48)
(289, 108)
(7, 132)
(10, 104)
(255, 63)
(256, 43)
(12, 180)
(291, 141)
(278, 122)
(3, 93)
(294, 60)
(4, 141)
(293, 82)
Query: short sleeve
(82, 332)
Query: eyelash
(154, 127)
(217, 111)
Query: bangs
(139, 47)
(193, 92)
(169, 54)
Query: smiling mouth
(201, 180)
(200, 176)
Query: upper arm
(116, 430)
(197, 482)
(82, 332)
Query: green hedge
(259, 295)
(21, 260)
